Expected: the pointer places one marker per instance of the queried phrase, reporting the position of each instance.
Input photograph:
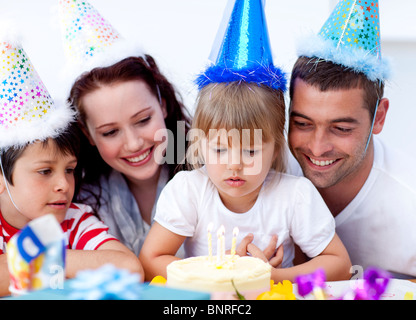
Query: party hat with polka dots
(27, 111)
(351, 37)
(89, 40)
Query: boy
(38, 148)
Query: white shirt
(378, 227)
(287, 206)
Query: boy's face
(43, 182)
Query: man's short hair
(327, 75)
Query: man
(337, 105)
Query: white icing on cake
(199, 273)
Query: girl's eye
(220, 150)
(70, 170)
(251, 152)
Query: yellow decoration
(408, 296)
(281, 291)
(158, 281)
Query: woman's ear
(380, 116)
(164, 108)
(86, 133)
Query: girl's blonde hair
(240, 105)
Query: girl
(240, 182)
(126, 111)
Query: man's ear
(381, 114)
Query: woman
(127, 112)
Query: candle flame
(210, 226)
(235, 232)
(221, 231)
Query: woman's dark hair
(132, 68)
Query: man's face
(328, 133)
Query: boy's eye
(44, 171)
(70, 170)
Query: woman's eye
(143, 120)
(109, 133)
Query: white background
(179, 34)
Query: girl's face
(238, 171)
(125, 121)
(43, 183)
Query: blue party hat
(245, 54)
(351, 37)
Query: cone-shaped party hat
(244, 53)
(351, 37)
(27, 111)
(90, 40)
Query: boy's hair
(327, 75)
(66, 143)
(238, 106)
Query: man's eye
(301, 124)
(343, 130)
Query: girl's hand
(270, 254)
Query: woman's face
(125, 121)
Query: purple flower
(375, 284)
(307, 283)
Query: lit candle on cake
(210, 241)
(234, 241)
(220, 246)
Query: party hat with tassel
(242, 52)
(351, 38)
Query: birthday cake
(248, 275)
